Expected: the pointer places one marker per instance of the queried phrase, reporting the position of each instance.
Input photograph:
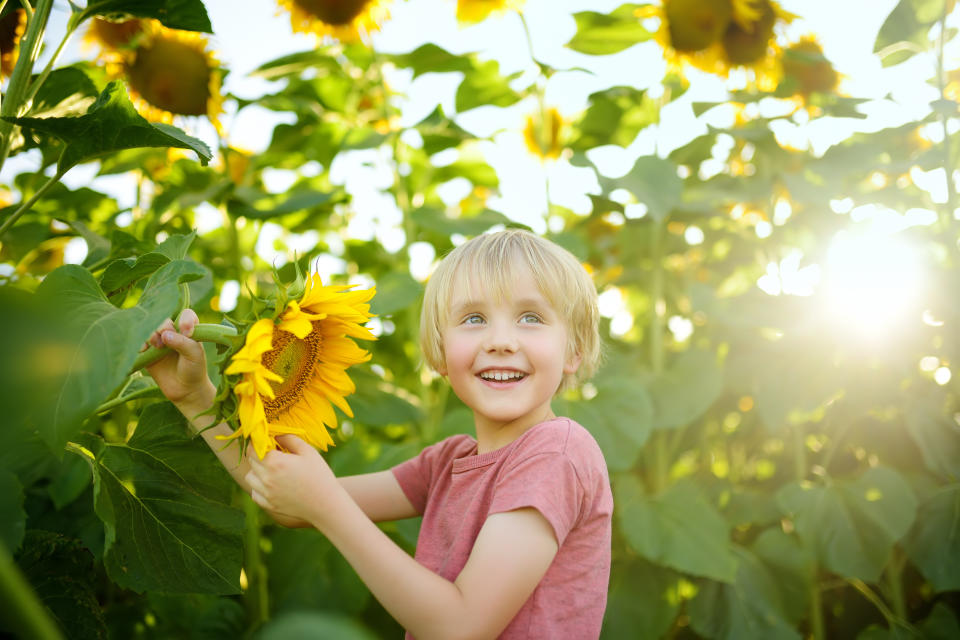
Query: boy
(515, 539)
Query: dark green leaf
(752, 606)
(934, 542)
(604, 33)
(189, 15)
(61, 571)
(12, 516)
(937, 436)
(439, 132)
(121, 274)
(69, 481)
(111, 124)
(377, 404)
(107, 341)
(677, 528)
(643, 601)
(615, 116)
(852, 526)
(66, 92)
(163, 498)
(197, 616)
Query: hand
(296, 485)
(182, 373)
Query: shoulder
(565, 438)
(451, 448)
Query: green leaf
(852, 526)
(395, 291)
(654, 182)
(615, 116)
(197, 616)
(686, 390)
(106, 343)
(12, 516)
(307, 572)
(377, 404)
(164, 502)
(302, 625)
(437, 221)
(69, 481)
(643, 600)
(250, 202)
(122, 274)
(605, 33)
(937, 437)
(678, 528)
(111, 124)
(909, 22)
(484, 86)
(934, 542)
(61, 572)
(188, 15)
(440, 132)
(794, 567)
(752, 606)
(66, 92)
(175, 247)
(429, 58)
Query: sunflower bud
(543, 134)
(696, 24)
(806, 67)
(748, 46)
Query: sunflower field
(777, 255)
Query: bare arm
(510, 556)
(182, 376)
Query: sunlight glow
(871, 279)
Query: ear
(572, 363)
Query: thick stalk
(816, 612)
(26, 615)
(13, 101)
(47, 70)
(893, 576)
(119, 400)
(256, 597)
(25, 206)
(219, 333)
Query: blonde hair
(493, 259)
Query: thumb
(294, 444)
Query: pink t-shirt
(555, 467)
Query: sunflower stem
(25, 206)
(257, 596)
(13, 102)
(47, 70)
(29, 618)
(119, 400)
(219, 333)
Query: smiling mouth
(502, 376)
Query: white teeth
(501, 376)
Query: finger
(191, 349)
(188, 321)
(261, 501)
(156, 338)
(254, 482)
(293, 444)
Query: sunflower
(344, 20)
(472, 11)
(113, 36)
(169, 72)
(12, 26)
(718, 36)
(543, 134)
(807, 69)
(293, 369)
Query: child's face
(506, 359)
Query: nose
(500, 338)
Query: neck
(495, 435)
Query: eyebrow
(537, 302)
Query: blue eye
(530, 318)
(473, 318)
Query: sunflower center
(696, 24)
(748, 47)
(294, 360)
(336, 12)
(172, 76)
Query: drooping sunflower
(543, 133)
(169, 72)
(472, 11)
(293, 368)
(718, 36)
(806, 69)
(344, 20)
(12, 26)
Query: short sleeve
(417, 475)
(547, 482)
